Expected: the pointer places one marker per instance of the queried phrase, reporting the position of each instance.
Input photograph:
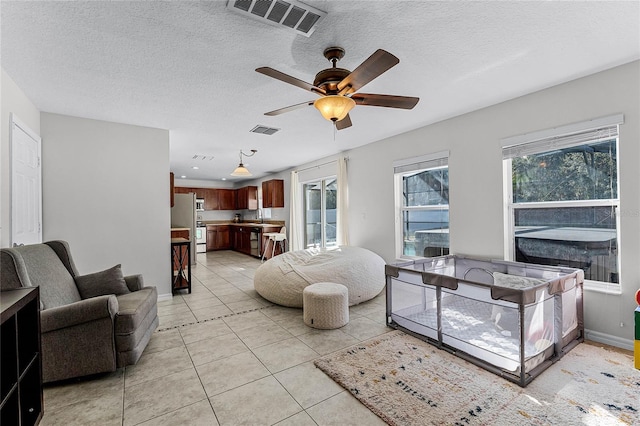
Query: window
(562, 198)
(422, 204)
(320, 199)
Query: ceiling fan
(337, 86)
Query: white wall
(475, 174)
(106, 192)
(13, 100)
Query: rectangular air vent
(289, 14)
(264, 130)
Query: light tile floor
(223, 355)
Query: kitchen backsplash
(215, 215)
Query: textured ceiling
(189, 67)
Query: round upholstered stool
(325, 305)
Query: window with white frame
(422, 205)
(561, 190)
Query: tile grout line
(199, 379)
(160, 330)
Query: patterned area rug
(406, 381)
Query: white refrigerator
(183, 215)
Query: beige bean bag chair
(282, 279)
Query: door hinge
(38, 161)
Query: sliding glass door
(320, 213)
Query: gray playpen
(513, 319)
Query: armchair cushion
(109, 281)
(134, 282)
(39, 265)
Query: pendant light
(241, 170)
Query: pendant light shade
(241, 170)
(334, 107)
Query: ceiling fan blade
(278, 75)
(389, 101)
(289, 108)
(344, 123)
(379, 62)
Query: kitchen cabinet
(226, 199)
(247, 198)
(21, 379)
(182, 190)
(211, 237)
(219, 199)
(210, 196)
(273, 193)
(223, 238)
(242, 239)
(218, 237)
(222, 198)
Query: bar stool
(275, 237)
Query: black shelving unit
(21, 380)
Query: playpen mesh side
(486, 329)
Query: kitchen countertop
(252, 224)
(181, 229)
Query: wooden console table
(180, 264)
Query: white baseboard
(608, 339)
(167, 296)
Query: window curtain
(295, 231)
(342, 234)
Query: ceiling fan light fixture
(334, 107)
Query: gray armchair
(89, 324)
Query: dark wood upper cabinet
(226, 199)
(201, 192)
(273, 193)
(211, 201)
(182, 190)
(247, 198)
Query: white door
(26, 185)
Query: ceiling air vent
(264, 130)
(202, 157)
(290, 14)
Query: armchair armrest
(134, 282)
(78, 313)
